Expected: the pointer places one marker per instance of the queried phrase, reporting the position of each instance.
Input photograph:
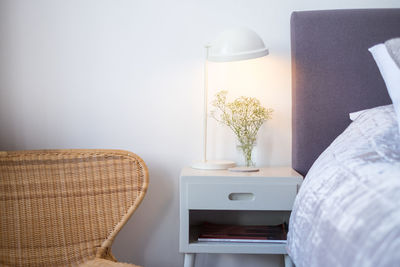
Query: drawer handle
(241, 196)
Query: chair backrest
(64, 207)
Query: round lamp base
(213, 165)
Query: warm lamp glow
(265, 79)
(239, 44)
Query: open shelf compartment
(234, 217)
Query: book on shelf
(210, 232)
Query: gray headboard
(333, 74)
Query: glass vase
(247, 151)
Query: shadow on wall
(134, 239)
(8, 130)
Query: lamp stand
(209, 164)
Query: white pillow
(355, 115)
(390, 73)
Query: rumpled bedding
(347, 212)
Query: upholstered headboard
(333, 74)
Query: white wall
(128, 75)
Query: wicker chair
(65, 207)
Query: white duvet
(347, 212)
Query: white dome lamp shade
(237, 44)
(231, 45)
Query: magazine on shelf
(210, 232)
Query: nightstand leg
(189, 260)
(288, 261)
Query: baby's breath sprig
(244, 116)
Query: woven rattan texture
(64, 207)
(105, 263)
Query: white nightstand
(258, 198)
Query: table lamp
(231, 45)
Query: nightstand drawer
(230, 196)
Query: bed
(347, 212)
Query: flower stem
(247, 149)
